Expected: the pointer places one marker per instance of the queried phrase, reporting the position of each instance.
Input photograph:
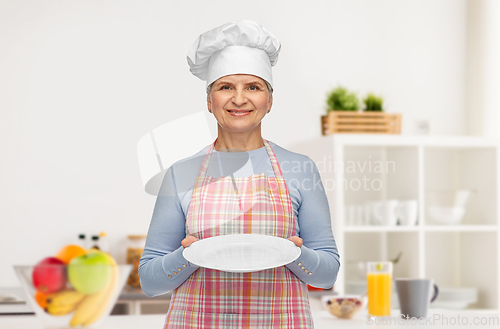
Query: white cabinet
(357, 169)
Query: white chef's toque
(243, 47)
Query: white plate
(242, 252)
(450, 304)
(455, 293)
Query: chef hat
(243, 47)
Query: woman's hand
(187, 241)
(296, 240)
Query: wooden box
(360, 123)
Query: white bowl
(446, 215)
(98, 306)
(344, 307)
(447, 206)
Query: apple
(49, 275)
(89, 273)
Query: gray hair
(209, 88)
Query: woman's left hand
(296, 240)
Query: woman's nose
(239, 97)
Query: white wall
(483, 68)
(82, 81)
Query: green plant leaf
(373, 103)
(340, 99)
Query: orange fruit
(41, 299)
(67, 253)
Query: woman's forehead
(236, 78)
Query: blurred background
(82, 81)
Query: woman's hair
(209, 88)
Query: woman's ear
(270, 102)
(209, 103)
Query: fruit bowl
(344, 307)
(75, 295)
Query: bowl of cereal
(344, 307)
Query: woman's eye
(254, 88)
(224, 88)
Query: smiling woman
(254, 197)
(239, 102)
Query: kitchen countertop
(322, 320)
(20, 307)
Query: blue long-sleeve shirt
(163, 268)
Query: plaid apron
(273, 298)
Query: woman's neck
(230, 142)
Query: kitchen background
(82, 81)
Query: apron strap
(270, 152)
(274, 160)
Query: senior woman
(270, 191)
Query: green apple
(89, 273)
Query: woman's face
(239, 102)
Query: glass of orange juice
(379, 277)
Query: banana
(63, 302)
(108, 297)
(59, 310)
(93, 307)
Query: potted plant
(343, 115)
(373, 103)
(340, 99)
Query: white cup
(359, 215)
(407, 212)
(385, 212)
(351, 214)
(368, 213)
(354, 215)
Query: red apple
(49, 275)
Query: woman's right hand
(187, 241)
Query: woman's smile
(239, 113)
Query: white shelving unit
(464, 255)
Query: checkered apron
(273, 298)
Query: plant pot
(360, 123)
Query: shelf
(455, 169)
(409, 140)
(464, 259)
(427, 228)
(368, 169)
(460, 228)
(374, 173)
(366, 229)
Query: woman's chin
(238, 128)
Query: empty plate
(242, 252)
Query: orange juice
(379, 294)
